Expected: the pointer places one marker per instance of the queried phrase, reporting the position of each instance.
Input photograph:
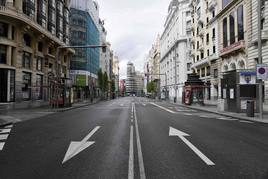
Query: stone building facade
(30, 32)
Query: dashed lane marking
(187, 114)
(243, 121)
(227, 119)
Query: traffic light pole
(260, 58)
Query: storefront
(7, 85)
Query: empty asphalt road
(134, 138)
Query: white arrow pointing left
(77, 147)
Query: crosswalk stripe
(2, 145)
(3, 136)
(2, 131)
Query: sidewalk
(241, 116)
(9, 116)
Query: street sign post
(262, 71)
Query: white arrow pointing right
(182, 135)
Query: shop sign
(81, 80)
(247, 77)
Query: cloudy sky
(132, 27)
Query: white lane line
(140, 158)
(163, 108)
(227, 119)
(2, 145)
(204, 116)
(131, 156)
(2, 131)
(3, 136)
(243, 121)
(187, 114)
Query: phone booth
(193, 90)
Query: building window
(207, 38)
(189, 66)
(39, 62)
(26, 86)
(214, 49)
(203, 74)
(208, 71)
(202, 55)
(262, 23)
(27, 40)
(207, 52)
(26, 60)
(232, 28)
(215, 73)
(213, 13)
(40, 47)
(225, 37)
(3, 54)
(52, 16)
(41, 12)
(29, 8)
(197, 45)
(213, 33)
(225, 3)
(240, 22)
(197, 58)
(3, 29)
(39, 87)
(2, 2)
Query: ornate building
(30, 32)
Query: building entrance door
(3, 85)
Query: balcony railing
(204, 61)
(211, 5)
(232, 48)
(19, 15)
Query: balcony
(213, 57)
(212, 4)
(201, 47)
(202, 62)
(233, 48)
(201, 32)
(20, 16)
(189, 27)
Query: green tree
(151, 87)
(113, 86)
(105, 83)
(100, 81)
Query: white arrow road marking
(2, 145)
(182, 135)
(77, 147)
(163, 108)
(3, 136)
(2, 131)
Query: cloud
(132, 27)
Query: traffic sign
(262, 71)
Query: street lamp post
(260, 58)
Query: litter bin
(250, 108)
